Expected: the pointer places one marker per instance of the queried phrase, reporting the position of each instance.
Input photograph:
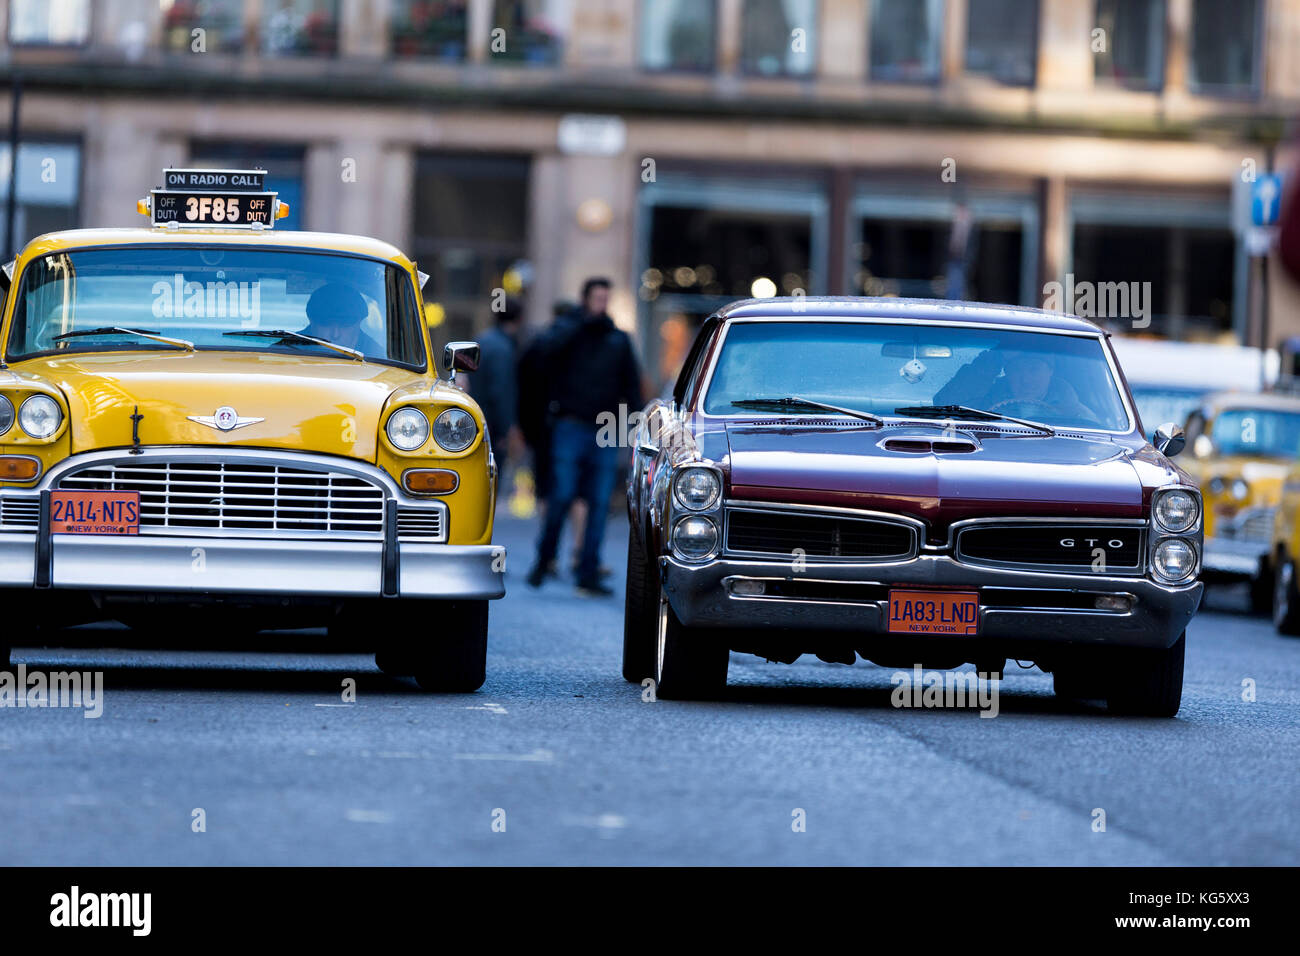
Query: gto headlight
(1176, 511)
(695, 538)
(1240, 490)
(408, 429)
(6, 414)
(1174, 560)
(455, 429)
(40, 416)
(697, 489)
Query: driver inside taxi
(335, 313)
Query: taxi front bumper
(1226, 557)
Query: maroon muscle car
(916, 482)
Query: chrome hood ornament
(224, 419)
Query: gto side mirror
(1169, 439)
(460, 357)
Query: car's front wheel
(1148, 683)
(1286, 600)
(640, 612)
(690, 662)
(442, 644)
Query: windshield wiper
(119, 330)
(792, 401)
(965, 411)
(300, 337)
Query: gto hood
(1018, 476)
(308, 404)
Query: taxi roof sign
(213, 198)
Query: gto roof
(812, 308)
(325, 241)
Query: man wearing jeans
(593, 370)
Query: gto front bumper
(1018, 608)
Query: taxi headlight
(408, 429)
(455, 429)
(695, 538)
(6, 414)
(1176, 511)
(1240, 490)
(1216, 485)
(697, 489)
(1174, 560)
(40, 416)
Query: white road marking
(369, 816)
(493, 708)
(537, 756)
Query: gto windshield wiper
(965, 411)
(300, 337)
(119, 330)
(792, 401)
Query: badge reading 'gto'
(224, 419)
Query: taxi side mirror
(1169, 439)
(460, 357)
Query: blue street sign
(1266, 200)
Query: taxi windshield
(1266, 433)
(232, 298)
(896, 370)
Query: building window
(1134, 56)
(430, 28)
(1002, 40)
(49, 22)
(283, 165)
(221, 23)
(678, 35)
(777, 37)
(1225, 46)
(48, 190)
(905, 37)
(528, 31)
(308, 27)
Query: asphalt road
(582, 771)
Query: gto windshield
(1266, 433)
(918, 370)
(233, 298)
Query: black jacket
(586, 366)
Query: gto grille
(1063, 546)
(239, 496)
(778, 532)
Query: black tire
(690, 663)
(1148, 683)
(393, 662)
(1077, 682)
(1261, 591)
(1286, 600)
(4, 657)
(454, 657)
(640, 613)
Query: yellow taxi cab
(206, 424)
(1242, 446)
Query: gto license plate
(934, 612)
(95, 512)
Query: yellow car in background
(209, 426)
(1242, 445)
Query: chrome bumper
(1231, 558)
(701, 597)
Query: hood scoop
(930, 445)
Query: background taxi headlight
(40, 416)
(455, 429)
(1174, 559)
(408, 429)
(695, 538)
(1216, 485)
(697, 489)
(1240, 490)
(6, 414)
(1176, 511)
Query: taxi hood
(325, 405)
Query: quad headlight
(1176, 511)
(695, 538)
(6, 414)
(40, 416)
(1174, 560)
(697, 489)
(455, 429)
(408, 429)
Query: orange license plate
(95, 512)
(934, 612)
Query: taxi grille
(240, 496)
(1253, 524)
(1054, 546)
(816, 535)
(19, 514)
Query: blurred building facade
(696, 151)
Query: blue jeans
(579, 466)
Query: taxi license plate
(95, 512)
(934, 612)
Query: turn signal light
(18, 468)
(430, 481)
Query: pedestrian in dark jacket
(591, 371)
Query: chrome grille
(817, 534)
(19, 514)
(1117, 548)
(1253, 524)
(424, 524)
(240, 496)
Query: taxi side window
(1194, 427)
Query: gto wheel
(690, 663)
(454, 659)
(1286, 602)
(640, 613)
(1148, 683)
